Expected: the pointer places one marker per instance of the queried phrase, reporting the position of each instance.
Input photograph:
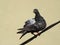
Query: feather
(25, 32)
(20, 31)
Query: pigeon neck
(37, 16)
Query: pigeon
(35, 24)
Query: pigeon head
(35, 10)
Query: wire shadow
(30, 39)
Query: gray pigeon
(35, 24)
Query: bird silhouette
(35, 24)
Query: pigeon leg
(35, 33)
(32, 33)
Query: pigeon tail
(20, 29)
(25, 32)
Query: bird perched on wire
(35, 24)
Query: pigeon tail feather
(22, 31)
(25, 32)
